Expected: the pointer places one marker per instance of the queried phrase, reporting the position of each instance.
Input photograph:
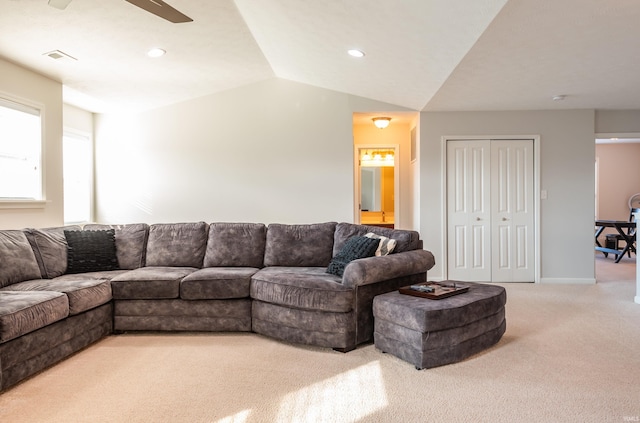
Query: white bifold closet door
(490, 210)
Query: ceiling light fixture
(559, 97)
(355, 52)
(381, 122)
(156, 52)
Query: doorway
(377, 185)
(615, 155)
(398, 138)
(491, 210)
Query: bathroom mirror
(377, 195)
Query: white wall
(20, 83)
(78, 120)
(567, 173)
(274, 151)
(617, 121)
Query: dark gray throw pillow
(91, 251)
(354, 248)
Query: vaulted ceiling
(432, 55)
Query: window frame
(18, 103)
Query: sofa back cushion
(235, 245)
(50, 248)
(131, 243)
(177, 244)
(405, 240)
(17, 260)
(299, 245)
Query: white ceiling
(435, 55)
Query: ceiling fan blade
(59, 4)
(161, 9)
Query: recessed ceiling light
(355, 52)
(156, 52)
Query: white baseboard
(578, 281)
(550, 281)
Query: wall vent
(59, 55)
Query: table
(628, 236)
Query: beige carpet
(570, 354)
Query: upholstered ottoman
(429, 333)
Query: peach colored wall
(618, 178)
(388, 196)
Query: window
(20, 151)
(78, 177)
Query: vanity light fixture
(381, 122)
(156, 52)
(377, 158)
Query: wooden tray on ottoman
(440, 290)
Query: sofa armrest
(376, 269)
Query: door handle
(504, 218)
(478, 219)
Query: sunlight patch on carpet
(347, 397)
(240, 417)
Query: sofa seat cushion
(309, 288)
(23, 312)
(105, 274)
(149, 283)
(83, 294)
(217, 283)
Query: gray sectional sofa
(62, 289)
